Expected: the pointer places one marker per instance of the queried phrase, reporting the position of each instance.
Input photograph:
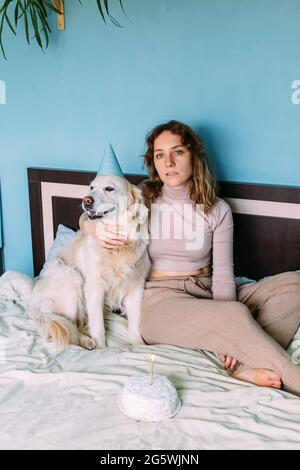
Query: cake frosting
(141, 400)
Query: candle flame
(153, 357)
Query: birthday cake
(142, 400)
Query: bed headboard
(266, 218)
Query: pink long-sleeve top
(184, 238)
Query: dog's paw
(135, 339)
(88, 343)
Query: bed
(67, 400)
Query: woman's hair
(204, 186)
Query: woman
(188, 301)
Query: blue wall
(223, 67)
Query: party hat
(109, 164)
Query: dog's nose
(88, 201)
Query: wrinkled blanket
(53, 399)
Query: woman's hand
(229, 362)
(110, 236)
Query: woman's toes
(274, 376)
(276, 384)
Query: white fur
(68, 303)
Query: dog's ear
(134, 194)
(136, 205)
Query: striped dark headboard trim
(266, 218)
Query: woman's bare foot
(261, 377)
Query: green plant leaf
(42, 7)
(35, 25)
(99, 4)
(121, 3)
(1, 43)
(9, 23)
(106, 6)
(5, 5)
(16, 14)
(22, 7)
(52, 7)
(35, 17)
(26, 25)
(44, 21)
(46, 36)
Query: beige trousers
(256, 329)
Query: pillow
(64, 236)
(240, 280)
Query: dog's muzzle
(92, 214)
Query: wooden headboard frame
(266, 218)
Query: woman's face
(172, 160)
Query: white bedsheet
(67, 400)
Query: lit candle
(152, 369)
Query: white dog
(68, 303)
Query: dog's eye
(109, 188)
(92, 187)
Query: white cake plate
(147, 419)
